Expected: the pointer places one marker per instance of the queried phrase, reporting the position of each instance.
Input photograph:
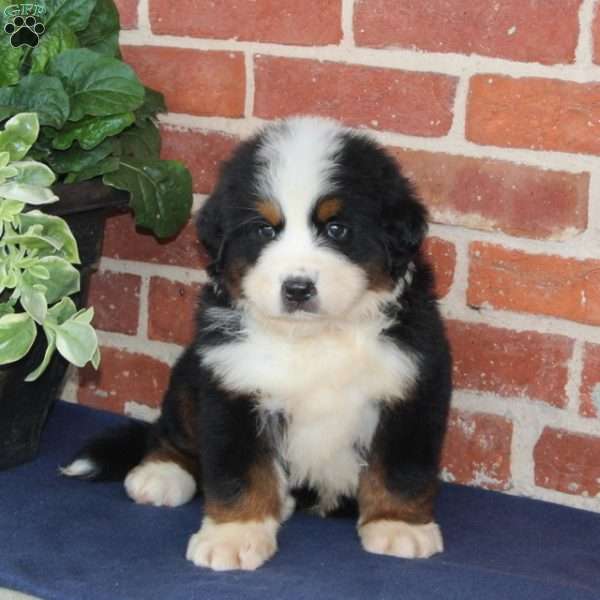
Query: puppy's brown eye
(337, 231)
(266, 232)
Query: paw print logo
(24, 31)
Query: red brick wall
(493, 109)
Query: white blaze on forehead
(298, 162)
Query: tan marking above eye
(328, 208)
(270, 212)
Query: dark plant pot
(25, 406)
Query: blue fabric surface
(67, 539)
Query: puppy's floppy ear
(210, 225)
(405, 223)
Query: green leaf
(63, 279)
(17, 334)
(56, 39)
(141, 141)
(76, 341)
(107, 165)
(96, 359)
(102, 33)
(37, 93)
(161, 193)
(62, 311)
(97, 85)
(55, 230)
(154, 103)
(19, 134)
(85, 315)
(74, 13)
(9, 209)
(76, 158)
(38, 271)
(30, 194)
(91, 131)
(32, 172)
(34, 302)
(10, 59)
(50, 349)
(6, 308)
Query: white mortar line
(249, 69)
(347, 24)
(68, 393)
(457, 130)
(197, 202)
(574, 378)
(398, 58)
(536, 414)
(450, 144)
(143, 313)
(522, 322)
(146, 269)
(163, 351)
(585, 44)
(593, 232)
(141, 411)
(457, 294)
(524, 437)
(579, 248)
(143, 15)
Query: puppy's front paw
(397, 538)
(242, 545)
(160, 484)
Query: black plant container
(25, 406)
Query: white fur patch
(397, 538)
(237, 545)
(326, 386)
(160, 484)
(82, 467)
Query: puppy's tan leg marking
(164, 478)
(393, 525)
(241, 534)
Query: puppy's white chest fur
(327, 386)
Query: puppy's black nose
(298, 289)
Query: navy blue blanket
(66, 539)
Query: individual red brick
(442, 255)
(116, 301)
(547, 285)
(590, 384)
(477, 450)
(510, 363)
(201, 152)
(123, 376)
(195, 82)
(540, 114)
(172, 307)
(127, 13)
(123, 241)
(544, 32)
(496, 195)
(378, 98)
(309, 23)
(568, 462)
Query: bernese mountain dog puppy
(320, 373)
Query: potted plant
(37, 279)
(98, 133)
